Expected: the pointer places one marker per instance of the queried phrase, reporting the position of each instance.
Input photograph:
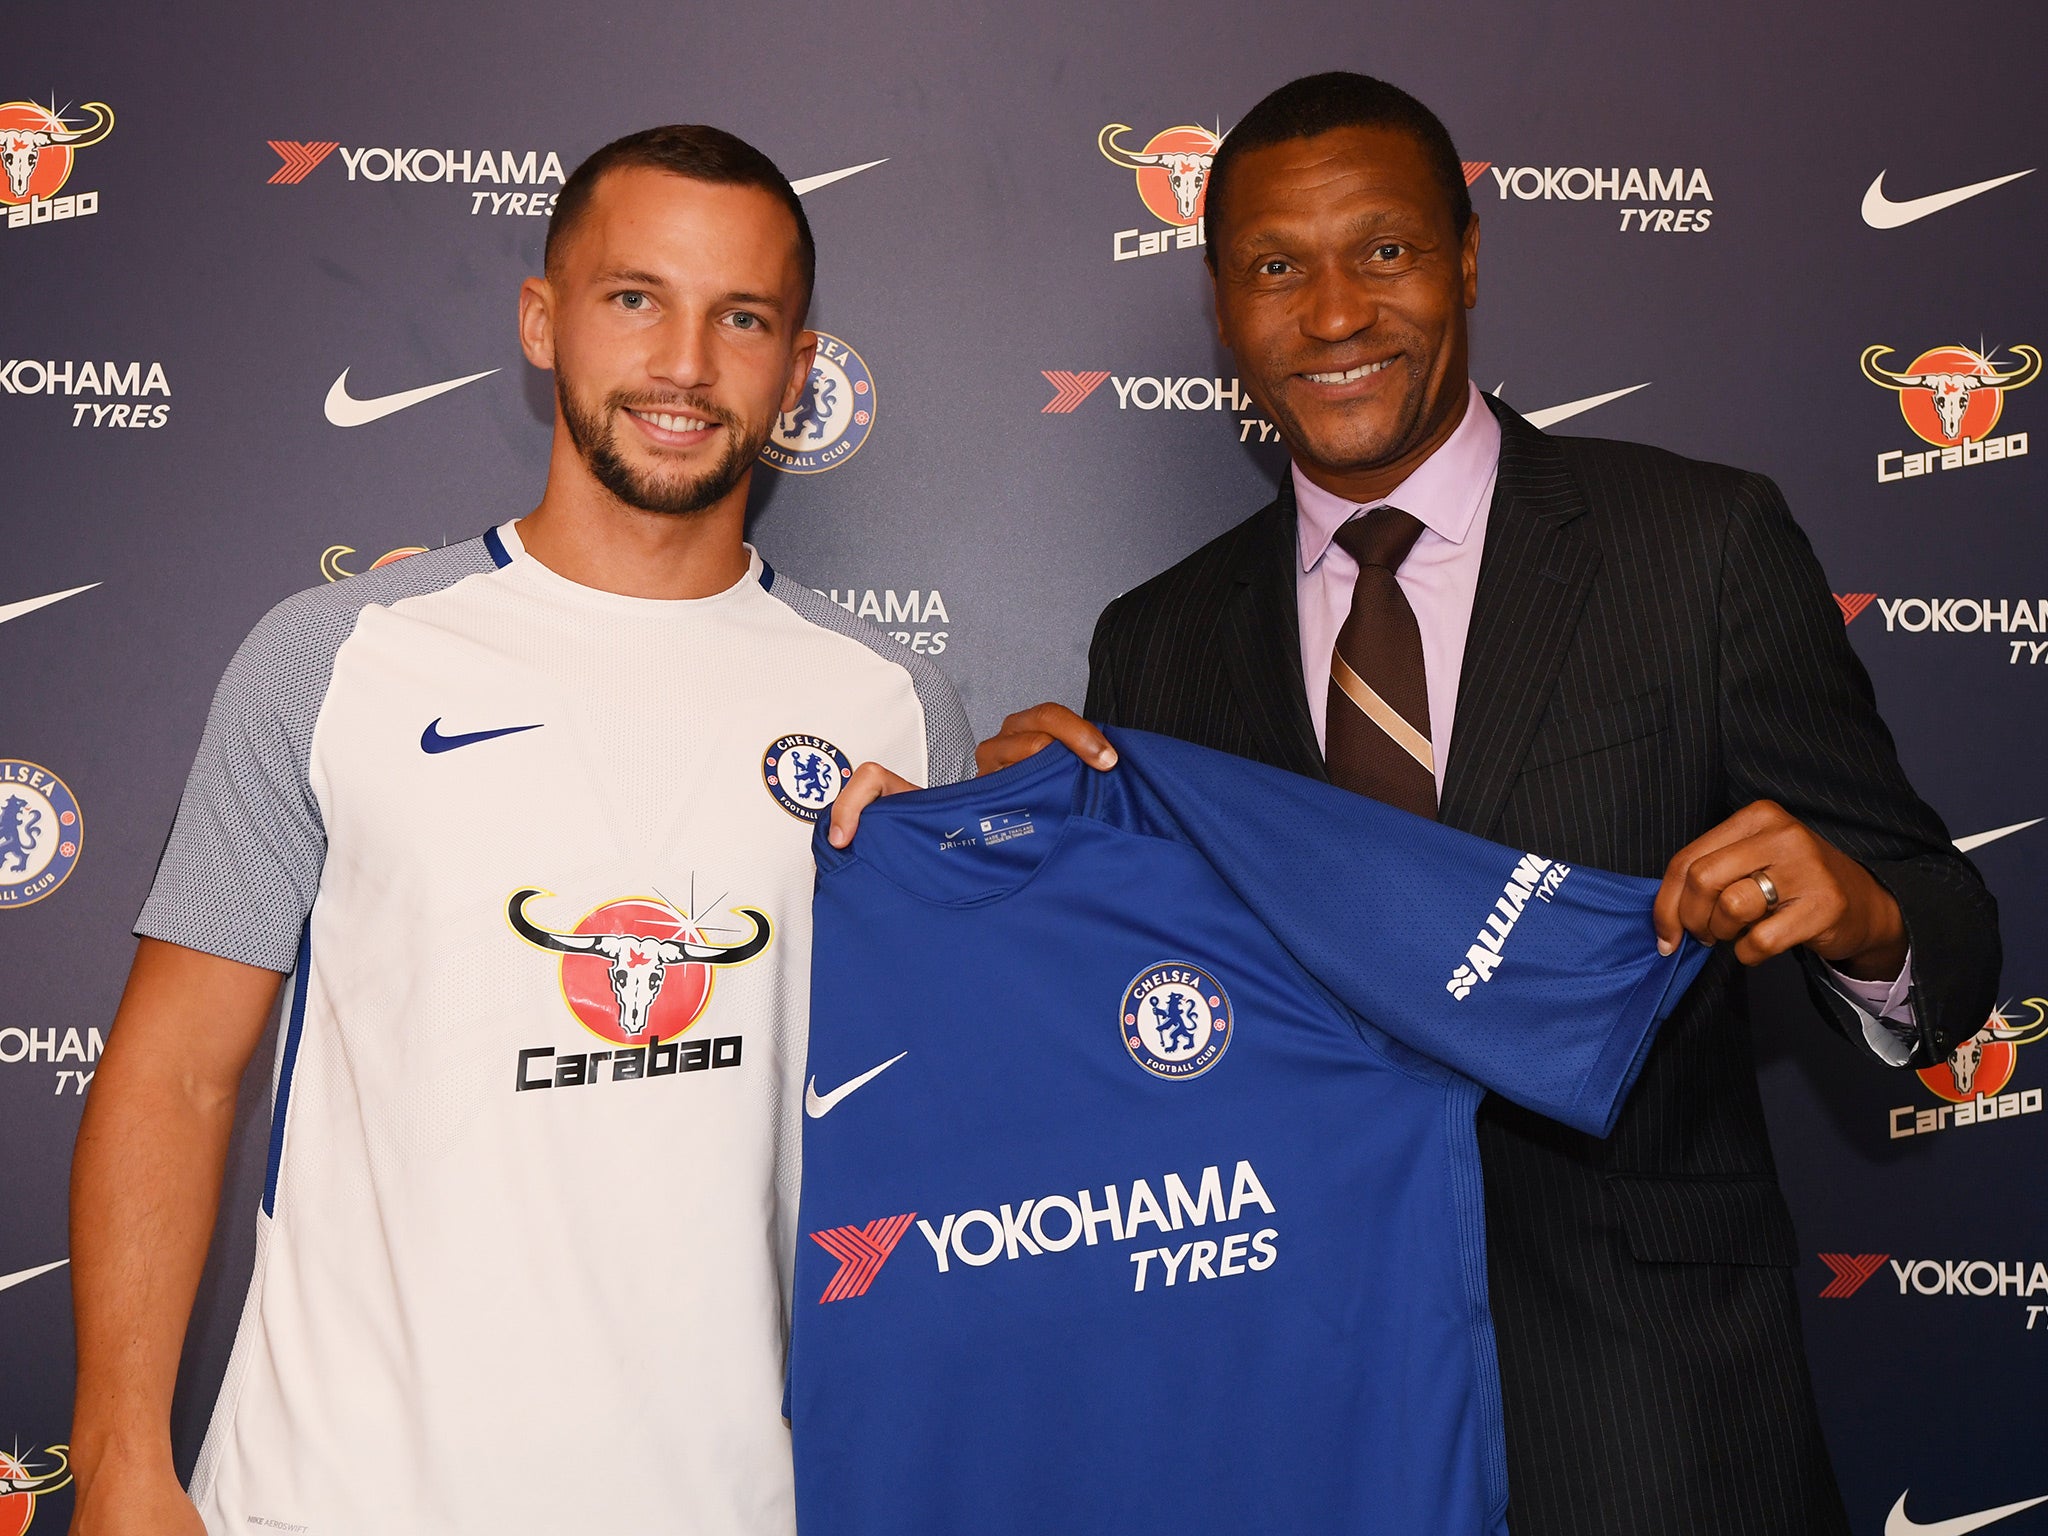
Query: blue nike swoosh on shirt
(431, 739)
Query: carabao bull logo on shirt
(636, 967)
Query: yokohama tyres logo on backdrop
(2017, 627)
(1651, 200)
(2022, 1280)
(495, 181)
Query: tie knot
(1382, 537)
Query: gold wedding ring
(1770, 890)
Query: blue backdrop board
(257, 332)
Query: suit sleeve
(1101, 703)
(1800, 726)
(1539, 980)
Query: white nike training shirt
(538, 858)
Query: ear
(1468, 261)
(799, 369)
(537, 322)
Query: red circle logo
(639, 994)
(37, 147)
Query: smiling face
(1341, 287)
(672, 319)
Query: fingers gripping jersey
(538, 857)
(1141, 1190)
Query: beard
(671, 493)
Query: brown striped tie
(1377, 737)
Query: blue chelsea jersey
(1141, 1189)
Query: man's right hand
(1033, 730)
(118, 1502)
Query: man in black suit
(1646, 673)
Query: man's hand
(120, 1501)
(1027, 731)
(1826, 900)
(1033, 730)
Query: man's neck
(582, 532)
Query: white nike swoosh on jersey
(812, 183)
(1551, 415)
(344, 410)
(1979, 839)
(31, 604)
(29, 1274)
(818, 1105)
(1899, 1523)
(1880, 212)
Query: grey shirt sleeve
(243, 863)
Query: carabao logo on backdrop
(1952, 397)
(26, 1476)
(38, 148)
(832, 418)
(1653, 201)
(504, 182)
(1172, 182)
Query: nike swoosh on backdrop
(1979, 839)
(1899, 1523)
(20, 1275)
(812, 183)
(1551, 415)
(431, 739)
(818, 1105)
(1880, 212)
(31, 604)
(344, 410)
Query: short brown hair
(693, 150)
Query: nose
(1336, 307)
(682, 354)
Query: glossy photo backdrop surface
(257, 332)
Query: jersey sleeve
(242, 866)
(1537, 979)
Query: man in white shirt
(527, 820)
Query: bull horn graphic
(2030, 369)
(21, 1480)
(82, 138)
(673, 951)
(1116, 154)
(330, 562)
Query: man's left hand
(1826, 901)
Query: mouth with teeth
(1351, 376)
(674, 426)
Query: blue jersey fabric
(1141, 1191)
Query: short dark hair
(1316, 104)
(698, 152)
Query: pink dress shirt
(1451, 493)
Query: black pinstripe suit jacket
(1652, 646)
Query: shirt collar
(1444, 493)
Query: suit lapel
(1533, 578)
(1262, 640)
